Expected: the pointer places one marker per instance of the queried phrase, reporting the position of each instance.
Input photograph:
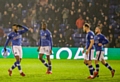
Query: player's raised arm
(25, 29)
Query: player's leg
(42, 52)
(48, 53)
(19, 66)
(89, 62)
(91, 69)
(42, 60)
(97, 59)
(85, 62)
(97, 65)
(18, 57)
(13, 66)
(108, 66)
(14, 50)
(49, 65)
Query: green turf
(63, 71)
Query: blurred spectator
(1, 32)
(79, 24)
(33, 18)
(40, 14)
(72, 19)
(55, 38)
(13, 19)
(0, 16)
(36, 36)
(95, 23)
(61, 17)
(3, 39)
(117, 42)
(105, 29)
(68, 33)
(111, 41)
(65, 15)
(61, 41)
(33, 37)
(56, 24)
(19, 11)
(110, 30)
(5, 20)
(70, 43)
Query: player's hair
(87, 25)
(44, 23)
(99, 27)
(14, 24)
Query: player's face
(97, 30)
(44, 27)
(15, 28)
(84, 28)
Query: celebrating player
(89, 49)
(15, 37)
(45, 47)
(100, 40)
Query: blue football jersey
(45, 38)
(100, 38)
(89, 36)
(16, 38)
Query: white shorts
(90, 55)
(17, 51)
(45, 50)
(99, 55)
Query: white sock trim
(20, 71)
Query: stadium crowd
(64, 19)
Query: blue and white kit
(89, 37)
(100, 38)
(16, 39)
(45, 42)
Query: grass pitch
(63, 71)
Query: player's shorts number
(45, 50)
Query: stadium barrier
(65, 53)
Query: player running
(89, 49)
(100, 40)
(16, 38)
(45, 47)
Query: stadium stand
(61, 17)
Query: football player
(45, 47)
(16, 38)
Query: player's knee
(20, 59)
(48, 59)
(103, 62)
(89, 63)
(17, 63)
(49, 63)
(40, 58)
(84, 62)
(96, 61)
